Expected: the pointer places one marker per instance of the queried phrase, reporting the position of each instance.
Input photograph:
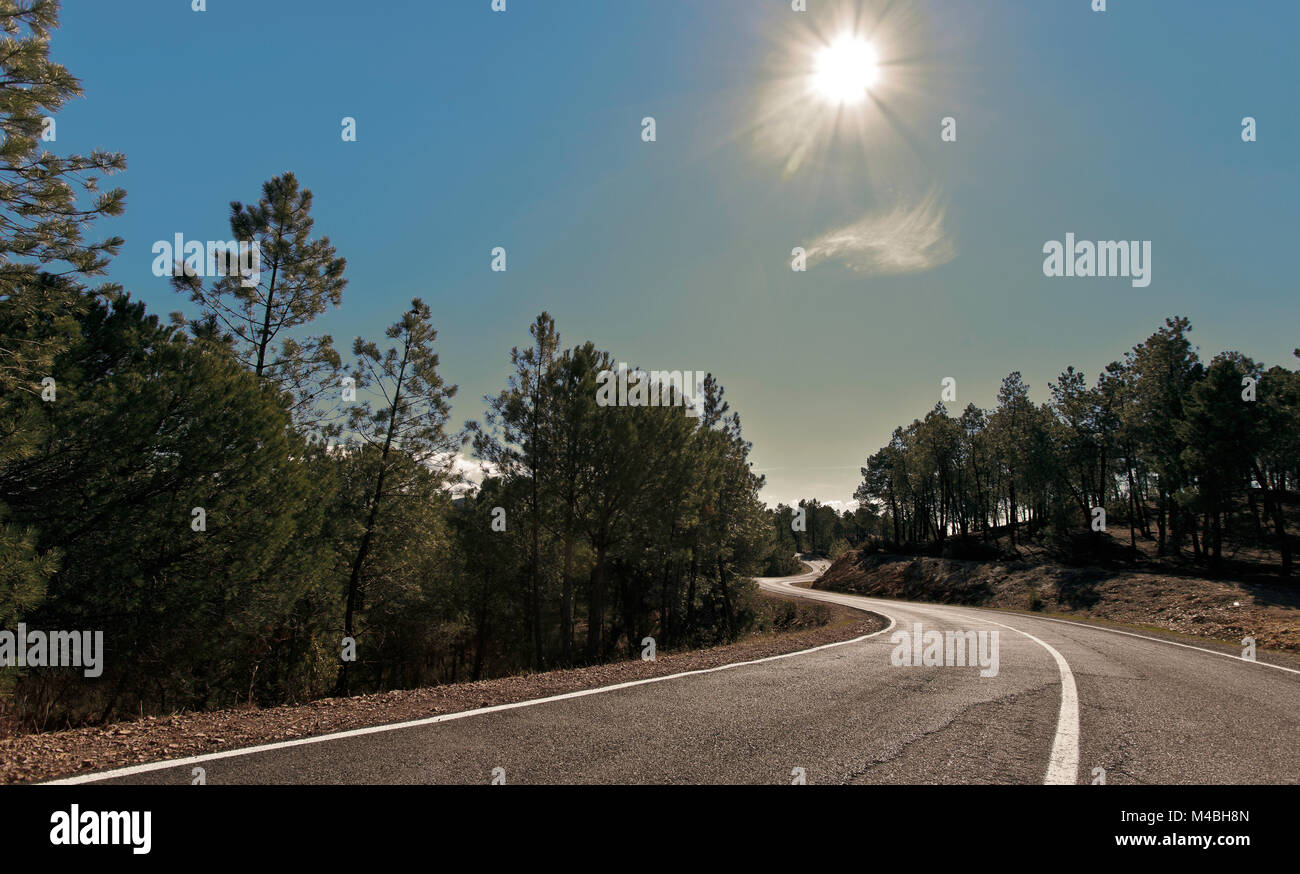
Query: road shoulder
(49, 755)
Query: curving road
(1067, 699)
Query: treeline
(818, 529)
(250, 516)
(1198, 458)
(623, 522)
(164, 497)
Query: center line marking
(1063, 766)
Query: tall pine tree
(300, 278)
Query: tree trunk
(354, 579)
(596, 607)
(566, 602)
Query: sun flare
(845, 70)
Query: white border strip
(433, 720)
(1035, 618)
(1063, 763)
(1145, 637)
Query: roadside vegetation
(1165, 492)
(253, 516)
(1165, 458)
(1200, 460)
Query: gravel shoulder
(36, 757)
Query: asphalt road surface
(1066, 700)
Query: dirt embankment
(1213, 609)
(788, 625)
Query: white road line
(1063, 766)
(1063, 763)
(1160, 640)
(1215, 652)
(446, 717)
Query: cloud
(906, 239)
(840, 507)
(466, 474)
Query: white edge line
(870, 598)
(432, 720)
(1063, 762)
(1063, 766)
(1154, 640)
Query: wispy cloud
(905, 239)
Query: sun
(845, 70)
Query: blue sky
(522, 129)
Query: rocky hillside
(1214, 609)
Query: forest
(252, 516)
(1201, 460)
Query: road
(1066, 700)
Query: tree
(1009, 426)
(656, 509)
(487, 557)
(1157, 423)
(43, 257)
(1115, 385)
(299, 278)
(1164, 367)
(40, 221)
(153, 454)
(1277, 466)
(414, 608)
(568, 422)
(521, 448)
(1220, 433)
(409, 427)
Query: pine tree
(1009, 425)
(409, 428)
(42, 228)
(1278, 463)
(149, 426)
(1164, 367)
(520, 446)
(300, 278)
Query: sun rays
(838, 112)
